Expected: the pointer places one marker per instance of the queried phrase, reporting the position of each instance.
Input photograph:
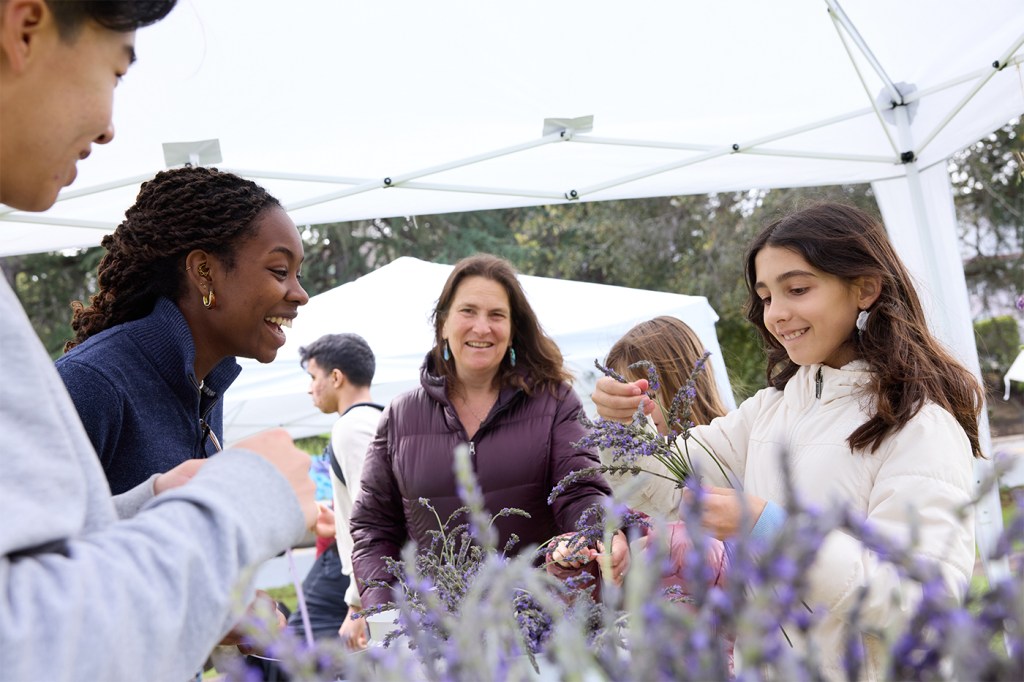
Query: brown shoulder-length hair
(673, 348)
(538, 359)
(908, 364)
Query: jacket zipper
(208, 432)
(205, 429)
(818, 385)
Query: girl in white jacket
(872, 412)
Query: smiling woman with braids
(205, 267)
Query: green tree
(989, 196)
(340, 252)
(46, 284)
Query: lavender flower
(635, 443)
(466, 613)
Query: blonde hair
(674, 349)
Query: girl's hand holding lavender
(618, 401)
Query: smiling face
(258, 296)
(810, 312)
(57, 100)
(478, 329)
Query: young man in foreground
(141, 586)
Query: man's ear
(22, 24)
(869, 288)
(337, 378)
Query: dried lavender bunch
(514, 617)
(634, 444)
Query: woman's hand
(573, 556)
(617, 401)
(722, 512)
(620, 559)
(353, 632)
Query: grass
(285, 594)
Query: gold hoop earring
(210, 300)
(203, 270)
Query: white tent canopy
(363, 110)
(390, 308)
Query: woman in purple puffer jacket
(495, 381)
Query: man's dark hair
(346, 352)
(116, 15)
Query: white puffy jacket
(923, 471)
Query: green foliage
(989, 195)
(337, 253)
(314, 445)
(286, 595)
(46, 284)
(743, 355)
(998, 341)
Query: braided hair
(176, 212)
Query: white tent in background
(390, 308)
(351, 110)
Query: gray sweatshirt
(86, 596)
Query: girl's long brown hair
(674, 349)
(908, 364)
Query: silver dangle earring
(862, 322)
(447, 351)
(512, 356)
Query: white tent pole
(839, 15)
(712, 153)
(997, 66)
(398, 179)
(962, 78)
(297, 177)
(86, 191)
(684, 146)
(988, 520)
(833, 156)
(55, 220)
(657, 170)
(473, 189)
(860, 77)
(920, 213)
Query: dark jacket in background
(522, 449)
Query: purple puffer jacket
(522, 449)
